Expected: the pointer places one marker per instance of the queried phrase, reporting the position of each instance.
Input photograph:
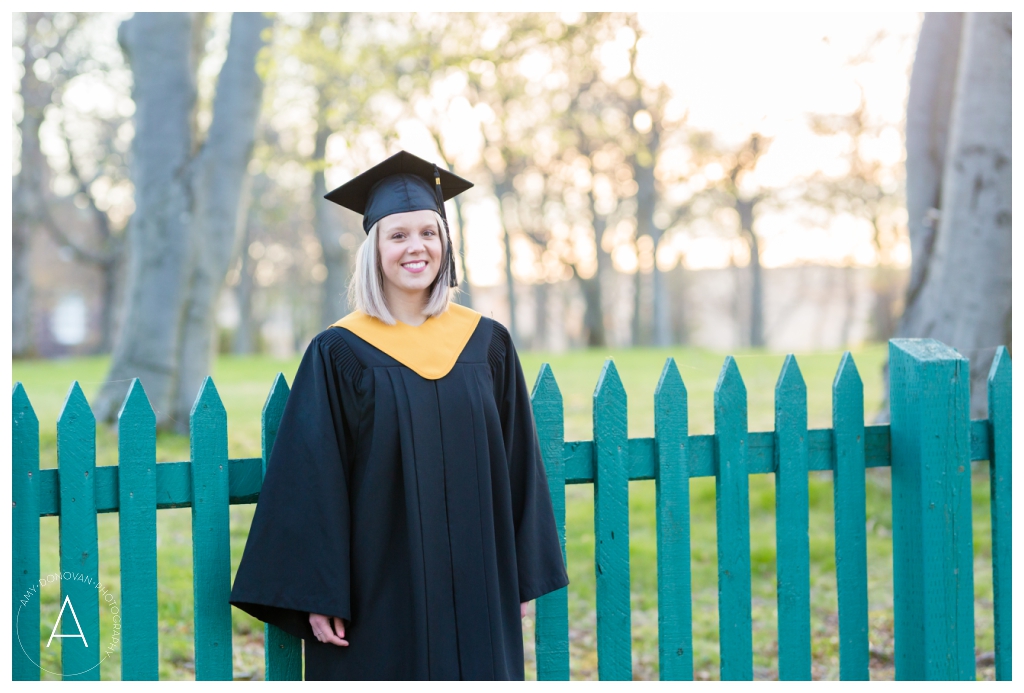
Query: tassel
(453, 279)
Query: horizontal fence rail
(929, 398)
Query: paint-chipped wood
(732, 515)
(672, 490)
(551, 630)
(611, 528)
(792, 543)
(848, 493)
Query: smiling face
(410, 251)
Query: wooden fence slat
(1000, 405)
(732, 516)
(79, 563)
(211, 550)
(551, 629)
(24, 537)
(282, 652)
(611, 528)
(792, 542)
(849, 504)
(933, 570)
(136, 453)
(672, 484)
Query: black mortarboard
(401, 183)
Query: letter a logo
(55, 634)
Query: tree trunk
(243, 341)
(929, 104)
(593, 314)
(501, 189)
(540, 312)
(746, 212)
(966, 300)
(328, 224)
(219, 190)
(27, 198)
(157, 45)
(464, 296)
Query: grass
(243, 383)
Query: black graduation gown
(417, 510)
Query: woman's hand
(323, 631)
(522, 609)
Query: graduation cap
(401, 183)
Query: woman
(404, 520)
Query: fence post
(933, 586)
(672, 484)
(792, 542)
(211, 548)
(25, 537)
(1000, 432)
(611, 528)
(79, 562)
(849, 503)
(136, 488)
(551, 628)
(732, 517)
(282, 652)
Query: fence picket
(611, 528)
(24, 536)
(792, 543)
(282, 652)
(849, 503)
(79, 563)
(672, 484)
(933, 567)
(551, 629)
(211, 550)
(136, 453)
(732, 515)
(1000, 403)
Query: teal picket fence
(929, 446)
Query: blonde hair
(366, 288)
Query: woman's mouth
(416, 266)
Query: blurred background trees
(170, 170)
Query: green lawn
(243, 383)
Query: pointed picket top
(670, 383)
(136, 403)
(277, 397)
(847, 376)
(608, 384)
(791, 380)
(20, 402)
(208, 399)
(76, 406)
(545, 387)
(999, 372)
(730, 382)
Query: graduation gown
(405, 493)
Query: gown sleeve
(296, 557)
(538, 552)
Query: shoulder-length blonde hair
(366, 288)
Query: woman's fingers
(324, 632)
(522, 609)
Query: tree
(738, 190)
(187, 196)
(870, 190)
(43, 40)
(963, 294)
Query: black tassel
(453, 279)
